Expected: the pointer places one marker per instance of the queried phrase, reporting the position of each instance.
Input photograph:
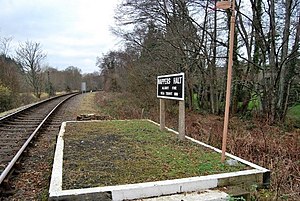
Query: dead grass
(254, 140)
(87, 104)
(122, 152)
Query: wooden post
(162, 115)
(229, 73)
(181, 123)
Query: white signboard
(171, 86)
(83, 86)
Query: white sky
(71, 32)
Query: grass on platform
(122, 152)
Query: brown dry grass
(87, 104)
(258, 142)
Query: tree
(110, 66)
(5, 45)
(57, 78)
(30, 57)
(72, 78)
(166, 36)
(170, 36)
(6, 98)
(272, 47)
(92, 81)
(10, 74)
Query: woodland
(191, 36)
(26, 78)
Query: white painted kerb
(55, 188)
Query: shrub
(293, 116)
(6, 98)
(26, 98)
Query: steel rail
(32, 106)
(9, 167)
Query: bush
(293, 116)
(26, 98)
(6, 98)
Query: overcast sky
(71, 32)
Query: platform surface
(157, 190)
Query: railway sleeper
(5, 141)
(16, 129)
(22, 116)
(6, 134)
(10, 144)
(31, 119)
(5, 159)
(6, 189)
(14, 121)
(50, 129)
(55, 121)
(13, 138)
(12, 125)
(8, 150)
(50, 123)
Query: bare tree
(72, 78)
(5, 45)
(191, 36)
(272, 53)
(30, 57)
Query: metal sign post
(172, 87)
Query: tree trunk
(212, 70)
(282, 86)
(271, 86)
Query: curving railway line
(18, 129)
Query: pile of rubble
(88, 117)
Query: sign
(171, 86)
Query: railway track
(18, 129)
